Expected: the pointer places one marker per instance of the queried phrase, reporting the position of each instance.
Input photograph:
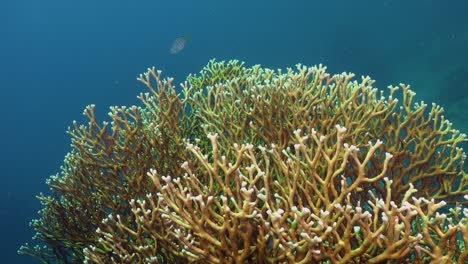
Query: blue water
(57, 56)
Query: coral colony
(252, 165)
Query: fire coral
(252, 165)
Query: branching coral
(251, 165)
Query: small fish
(179, 44)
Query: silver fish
(179, 44)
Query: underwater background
(56, 57)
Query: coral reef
(252, 165)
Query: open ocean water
(57, 56)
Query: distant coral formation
(252, 165)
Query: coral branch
(251, 165)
